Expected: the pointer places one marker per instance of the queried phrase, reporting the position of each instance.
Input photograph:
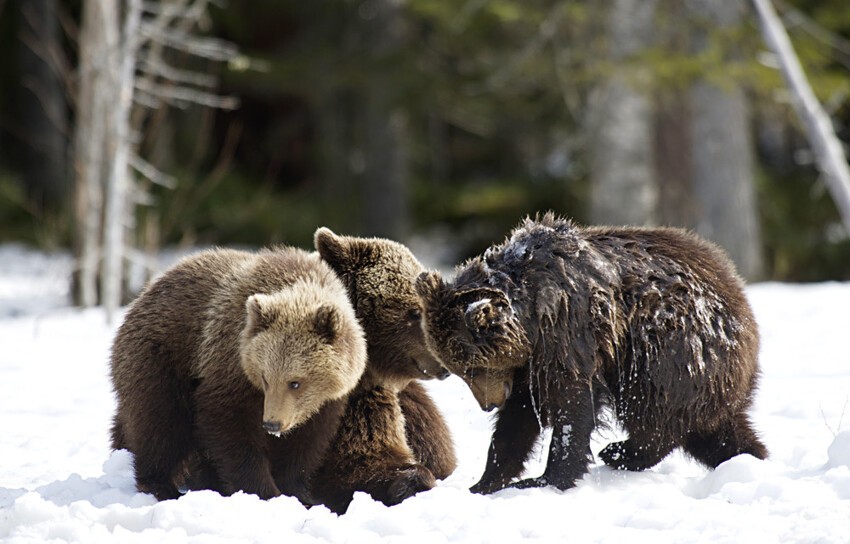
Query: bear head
(302, 347)
(380, 276)
(476, 334)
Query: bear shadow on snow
(560, 321)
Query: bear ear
(260, 313)
(332, 248)
(327, 323)
(428, 284)
(487, 310)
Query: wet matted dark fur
(561, 320)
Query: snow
(59, 482)
(477, 304)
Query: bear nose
(490, 407)
(271, 426)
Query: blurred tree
(382, 117)
(386, 169)
(122, 64)
(43, 104)
(620, 123)
(722, 162)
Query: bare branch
(209, 48)
(151, 172)
(181, 97)
(157, 67)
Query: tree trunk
(118, 213)
(624, 189)
(723, 173)
(387, 173)
(673, 160)
(43, 109)
(98, 36)
(829, 153)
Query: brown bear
(559, 321)
(237, 363)
(393, 441)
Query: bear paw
(409, 481)
(485, 487)
(628, 455)
(530, 483)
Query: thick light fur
(224, 348)
(393, 441)
(561, 320)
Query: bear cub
(393, 441)
(236, 365)
(560, 320)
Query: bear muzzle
(272, 427)
(491, 392)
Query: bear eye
(294, 384)
(414, 315)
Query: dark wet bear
(559, 321)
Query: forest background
(433, 119)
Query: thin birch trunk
(98, 35)
(117, 211)
(829, 154)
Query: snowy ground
(59, 481)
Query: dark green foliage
(492, 96)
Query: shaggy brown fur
(561, 320)
(393, 441)
(223, 349)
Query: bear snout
(490, 393)
(429, 367)
(271, 426)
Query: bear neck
(372, 379)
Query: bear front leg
(229, 429)
(427, 433)
(517, 428)
(573, 419)
(298, 454)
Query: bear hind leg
(635, 454)
(732, 437)
(161, 442)
(157, 472)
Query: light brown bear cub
(393, 441)
(225, 350)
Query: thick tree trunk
(386, 173)
(624, 189)
(723, 174)
(673, 160)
